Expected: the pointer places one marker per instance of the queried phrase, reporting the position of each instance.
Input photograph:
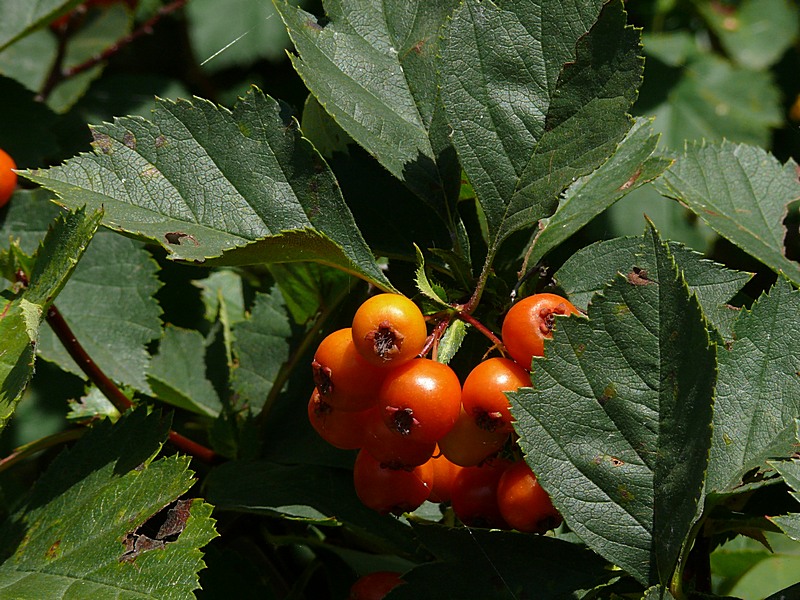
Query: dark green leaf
(319, 127)
(372, 67)
(109, 305)
(588, 271)
(632, 164)
(742, 192)
(534, 104)
(103, 27)
(305, 492)
(177, 373)
(78, 535)
(758, 391)
(261, 348)
(255, 191)
(477, 563)
(617, 427)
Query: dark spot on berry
(403, 421)
(489, 421)
(386, 340)
(322, 378)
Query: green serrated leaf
(20, 17)
(372, 67)
(633, 163)
(755, 33)
(639, 375)
(55, 259)
(94, 404)
(742, 192)
(19, 330)
(534, 106)
(255, 191)
(758, 390)
(77, 535)
(587, 272)
(177, 373)
(477, 563)
(58, 255)
(261, 348)
(120, 278)
(423, 285)
(451, 341)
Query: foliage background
(713, 71)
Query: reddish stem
(108, 387)
(145, 28)
(468, 318)
(58, 73)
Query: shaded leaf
(223, 298)
(617, 427)
(713, 100)
(109, 305)
(755, 33)
(69, 538)
(742, 192)
(790, 471)
(255, 191)
(177, 373)
(20, 17)
(261, 347)
(477, 563)
(533, 104)
(372, 67)
(588, 271)
(319, 127)
(295, 491)
(235, 33)
(56, 257)
(758, 390)
(634, 163)
(308, 288)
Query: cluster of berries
(421, 435)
